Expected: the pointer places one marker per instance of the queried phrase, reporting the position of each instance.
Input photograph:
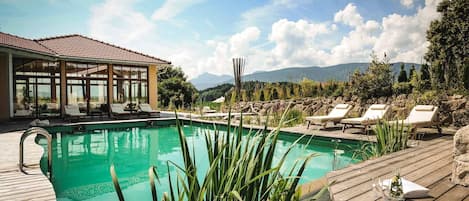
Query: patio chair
(72, 111)
(374, 113)
(335, 115)
(23, 113)
(118, 110)
(206, 109)
(146, 109)
(421, 116)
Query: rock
(456, 104)
(460, 117)
(455, 97)
(460, 173)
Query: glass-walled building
(39, 77)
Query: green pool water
(81, 161)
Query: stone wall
(454, 110)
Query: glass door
(37, 88)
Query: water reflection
(81, 161)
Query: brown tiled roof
(83, 47)
(16, 42)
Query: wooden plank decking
(429, 165)
(16, 185)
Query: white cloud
(238, 45)
(172, 8)
(295, 43)
(403, 37)
(289, 42)
(407, 3)
(116, 21)
(240, 42)
(349, 16)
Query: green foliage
(411, 71)
(173, 88)
(424, 77)
(428, 96)
(466, 75)
(402, 88)
(402, 75)
(376, 81)
(213, 93)
(308, 87)
(389, 138)
(447, 52)
(241, 167)
(294, 117)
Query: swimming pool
(81, 160)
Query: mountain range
(338, 72)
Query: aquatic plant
(390, 137)
(241, 167)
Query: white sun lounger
(118, 110)
(73, 111)
(421, 116)
(338, 113)
(206, 109)
(146, 108)
(374, 113)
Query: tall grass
(389, 138)
(241, 167)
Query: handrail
(38, 131)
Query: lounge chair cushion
(378, 107)
(342, 106)
(339, 112)
(73, 110)
(424, 108)
(323, 119)
(118, 109)
(359, 120)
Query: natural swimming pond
(81, 160)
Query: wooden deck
(16, 185)
(429, 165)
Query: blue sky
(202, 35)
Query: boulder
(457, 104)
(460, 117)
(460, 174)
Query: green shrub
(402, 88)
(389, 138)
(376, 81)
(294, 117)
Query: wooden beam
(110, 93)
(153, 86)
(63, 88)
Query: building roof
(17, 42)
(78, 47)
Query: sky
(203, 35)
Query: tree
(424, 73)
(173, 87)
(377, 80)
(448, 50)
(403, 74)
(261, 96)
(411, 72)
(424, 77)
(213, 93)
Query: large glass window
(87, 87)
(130, 85)
(37, 88)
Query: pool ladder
(38, 131)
